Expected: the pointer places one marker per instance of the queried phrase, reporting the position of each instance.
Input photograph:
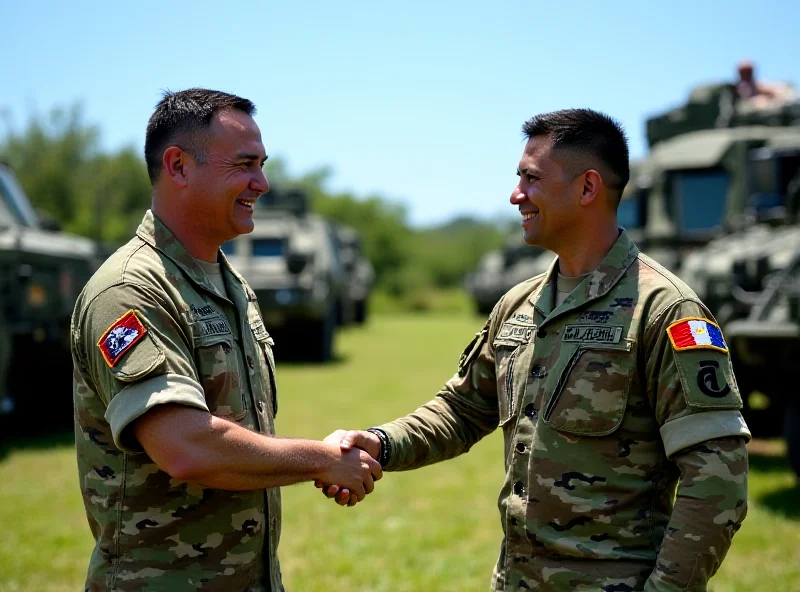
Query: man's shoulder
(659, 291)
(135, 263)
(654, 277)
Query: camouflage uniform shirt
(148, 329)
(603, 416)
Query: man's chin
(530, 240)
(241, 226)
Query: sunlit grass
(436, 529)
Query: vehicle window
(629, 213)
(268, 247)
(14, 204)
(701, 197)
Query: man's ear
(592, 182)
(174, 163)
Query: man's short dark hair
(586, 132)
(182, 119)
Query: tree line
(103, 194)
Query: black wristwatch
(386, 446)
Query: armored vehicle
(292, 263)
(696, 175)
(41, 274)
(497, 272)
(733, 267)
(766, 347)
(359, 275)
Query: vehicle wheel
(360, 307)
(792, 434)
(321, 350)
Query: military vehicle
(696, 175)
(292, 263)
(765, 348)
(41, 274)
(359, 273)
(487, 283)
(731, 268)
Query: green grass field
(436, 529)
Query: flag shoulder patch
(122, 335)
(696, 333)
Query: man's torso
(153, 531)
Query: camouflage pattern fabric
(602, 419)
(188, 344)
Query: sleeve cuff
(135, 400)
(689, 430)
(398, 445)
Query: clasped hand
(353, 442)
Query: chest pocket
(592, 391)
(265, 344)
(509, 346)
(218, 367)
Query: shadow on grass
(20, 438)
(785, 502)
(770, 463)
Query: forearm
(439, 430)
(220, 454)
(710, 506)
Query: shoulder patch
(696, 333)
(120, 337)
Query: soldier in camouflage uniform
(174, 385)
(612, 385)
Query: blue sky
(420, 102)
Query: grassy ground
(429, 530)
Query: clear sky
(421, 102)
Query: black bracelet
(386, 446)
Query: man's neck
(191, 237)
(584, 254)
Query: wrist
(325, 455)
(385, 446)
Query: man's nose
(517, 196)
(260, 183)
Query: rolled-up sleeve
(138, 398)
(148, 363)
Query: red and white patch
(122, 335)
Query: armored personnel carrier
(697, 175)
(731, 268)
(41, 274)
(765, 348)
(497, 272)
(292, 262)
(359, 273)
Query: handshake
(353, 476)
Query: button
(530, 410)
(520, 447)
(250, 362)
(260, 406)
(541, 333)
(538, 371)
(519, 488)
(514, 522)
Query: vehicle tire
(360, 308)
(324, 331)
(792, 434)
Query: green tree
(67, 178)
